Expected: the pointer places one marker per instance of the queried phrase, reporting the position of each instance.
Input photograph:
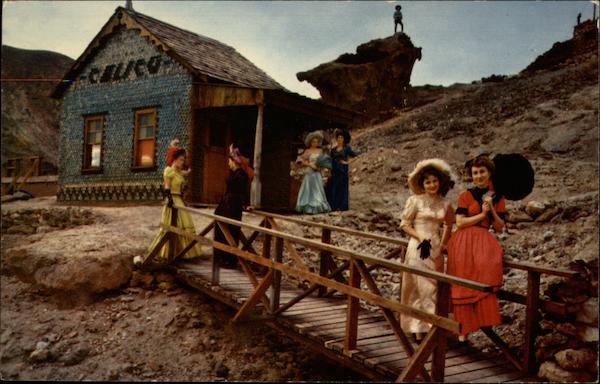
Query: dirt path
(157, 330)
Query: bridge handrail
(336, 228)
(525, 266)
(348, 254)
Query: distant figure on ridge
(579, 18)
(398, 19)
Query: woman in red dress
(474, 253)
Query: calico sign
(122, 71)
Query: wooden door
(217, 137)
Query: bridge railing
(531, 299)
(330, 278)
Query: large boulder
(575, 359)
(80, 275)
(376, 78)
(74, 264)
(552, 371)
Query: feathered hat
(447, 179)
(242, 161)
(313, 135)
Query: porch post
(255, 190)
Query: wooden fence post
(266, 251)
(173, 240)
(323, 259)
(352, 311)
(439, 353)
(531, 317)
(276, 286)
(215, 278)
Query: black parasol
(513, 177)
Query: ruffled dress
(311, 196)
(184, 219)
(425, 214)
(475, 254)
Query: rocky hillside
(29, 115)
(549, 116)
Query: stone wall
(111, 85)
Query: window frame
(137, 112)
(85, 168)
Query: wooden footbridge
(340, 312)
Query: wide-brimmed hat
(313, 135)
(447, 181)
(343, 132)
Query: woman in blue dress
(311, 196)
(337, 185)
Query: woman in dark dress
(233, 202)
(337, 185)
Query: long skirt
(185, 222)
(475, 254)
(417, 291)
(311, 196)
(337, 190)
(230, 206)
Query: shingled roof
(207, 55)
(199, 54)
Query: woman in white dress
(427, 218)
(311, 196)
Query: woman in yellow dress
(173, 183)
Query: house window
(145, 138)
(92, 143)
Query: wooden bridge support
(352, 311)
(531, 320)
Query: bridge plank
(366, 334)
(312, 323)
(387, 355)
(341, 324)
(339, 330)
(304, 318)
(378, 350)
(475, 365)
(528, 379)
(487, 370)
(313, 304)
(324, 308)
(502, 373)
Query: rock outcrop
(584, 41)
(375, 78)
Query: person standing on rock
(474, 253)
(311, 196)
(233, 202)
(174, 179)
(337, 185)
(398, 19)
(425, 214)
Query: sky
(462, 41)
